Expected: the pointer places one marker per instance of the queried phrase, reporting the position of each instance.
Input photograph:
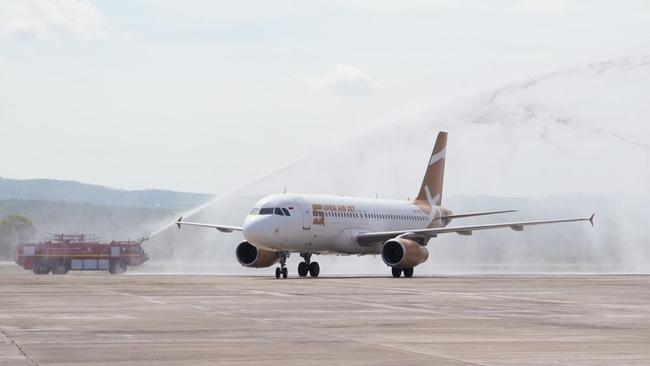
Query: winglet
(178, 222)
(591, 219)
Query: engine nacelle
(403, 253)
(249, 255)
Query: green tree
(14, 229)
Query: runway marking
(371, 304)
(241, 315)
(20, 349)
(391, 307)
(260, 292)
(146, 298)
(367, 343)
(533, 300)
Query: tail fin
(431, 188)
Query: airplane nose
(254, 230)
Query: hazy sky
(207, 95)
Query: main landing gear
(308, 266)
(282, 270)
(408, 272)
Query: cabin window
(278, 211)
(286, 212)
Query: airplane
(399, 231)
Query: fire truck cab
(61, 253)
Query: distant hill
(51, 190)
(56, 206)
(108, 222)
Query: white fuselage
(329, 224)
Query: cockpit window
(266, 211)
(280, 211)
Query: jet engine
(249, 255)
(403, 253)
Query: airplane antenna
(284, 190)
(376, 195)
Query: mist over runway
(562, 144)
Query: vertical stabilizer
(431, 188)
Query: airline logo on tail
(431, 189)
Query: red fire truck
(63, 252)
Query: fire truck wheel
(123, 266)
(117, 267)
(41, 268)
(112, 267)
(59, 268)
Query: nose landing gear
(282, 270)
(308, 267)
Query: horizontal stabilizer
(472, 214)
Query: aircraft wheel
(396, 272)
(285, 272)
(314, 269)
(278, 272)
(408, 272)
(303, 268)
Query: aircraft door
(306, 215)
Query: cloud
(4, 68)
(343, 79)
(545, 6)
(52, 19)
(391, 5)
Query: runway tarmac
(98, 319)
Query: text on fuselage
(320, 209)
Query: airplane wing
(472, 214)
(223, 228)
(379, 237)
